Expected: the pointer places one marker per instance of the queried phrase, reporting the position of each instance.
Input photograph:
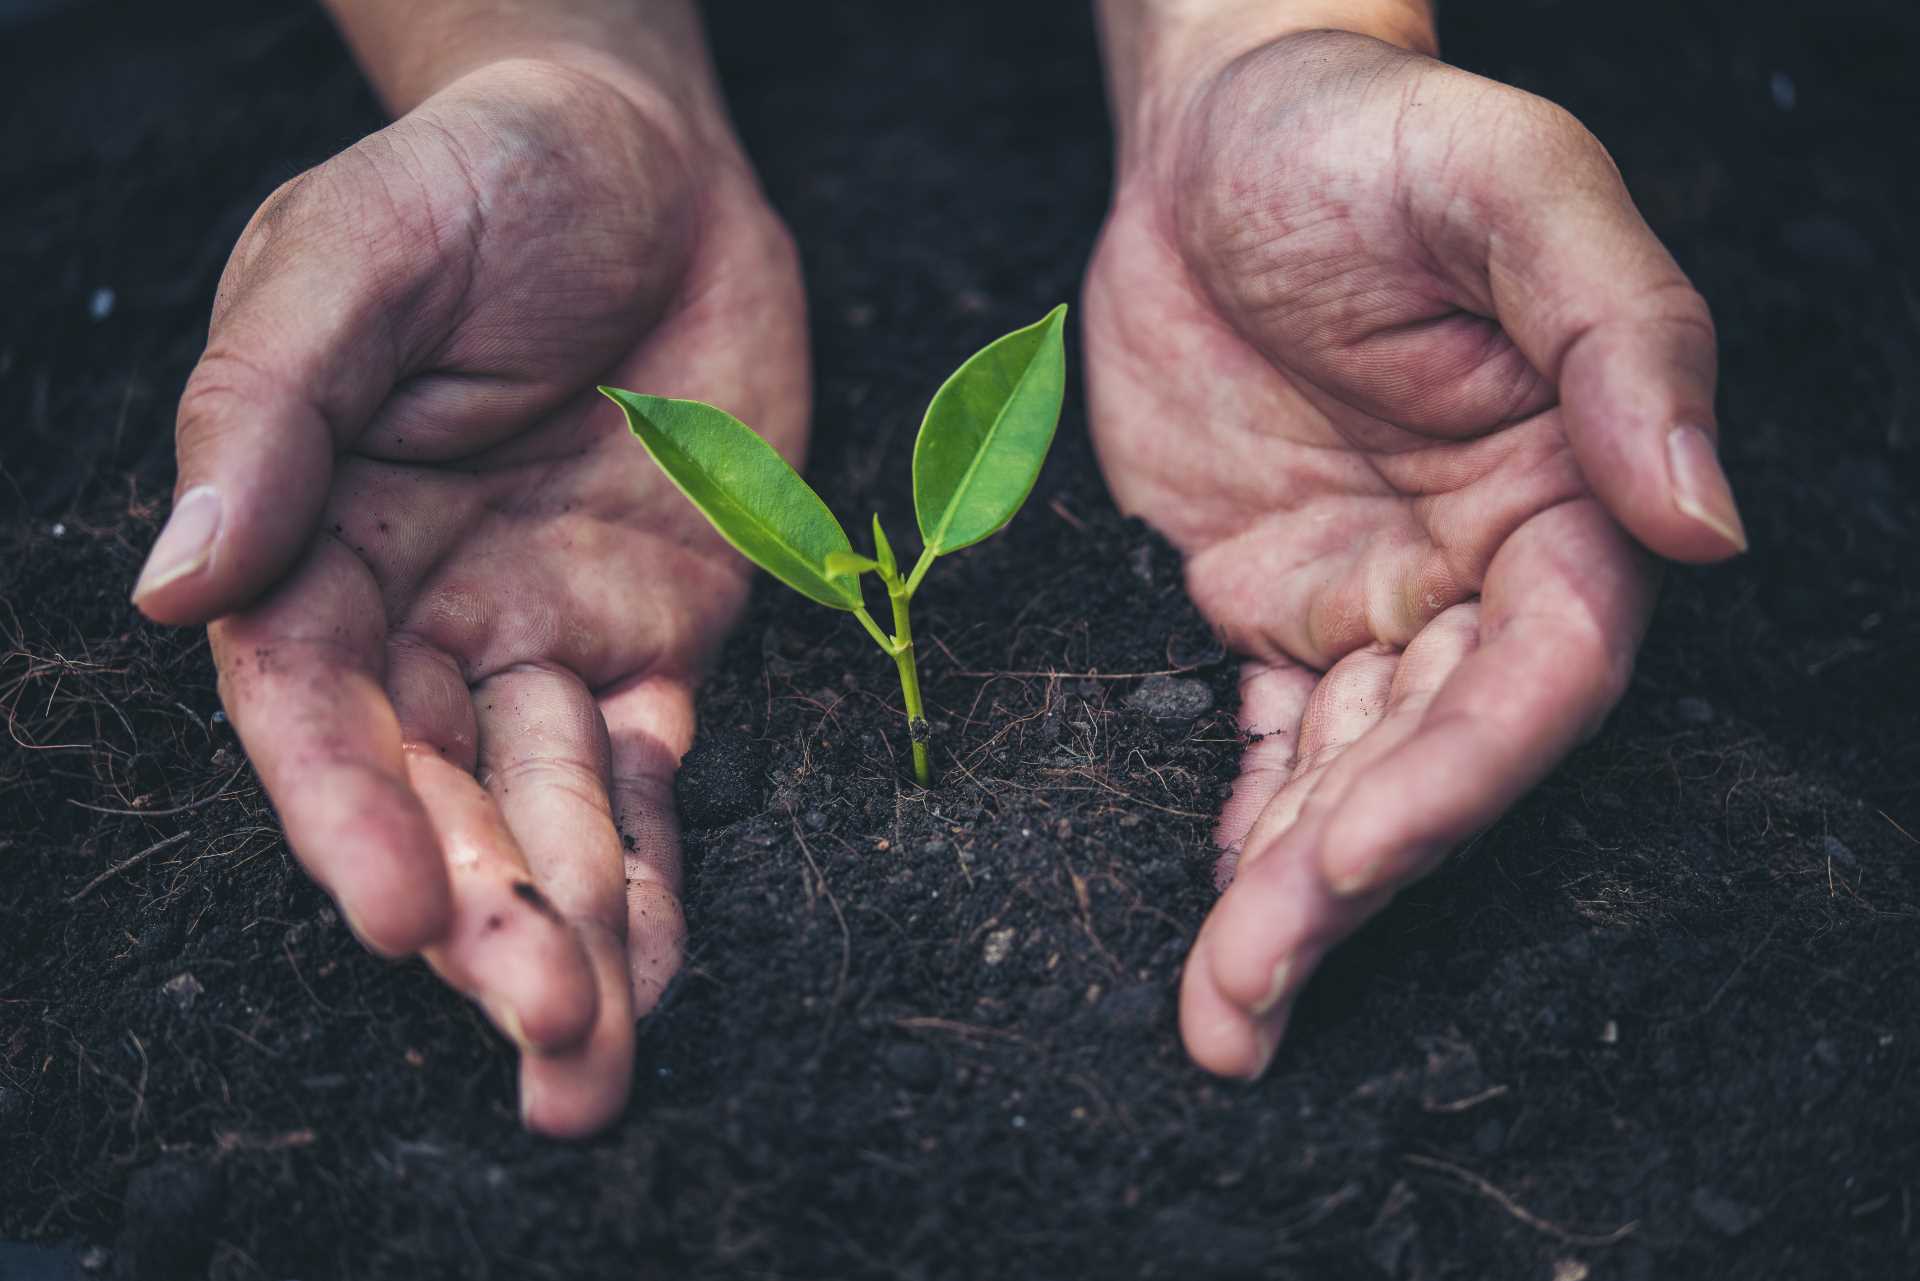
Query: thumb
(300, 353)
(1595, 301)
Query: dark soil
(1661, 1021)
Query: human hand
(457, 613)
(1387, 351)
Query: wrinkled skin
(1382, 346)
(1386, 351)
(459, 612)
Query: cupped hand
(1387, 351)
(456, 610)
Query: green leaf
(986, 434)
(840, 564)
(756, 501)
(883, 550)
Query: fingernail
(508, 1021)
(1266, 1036)
(1348, 878)
(359, 934)
(1276, 987)
(186, 544)
(1700, 488)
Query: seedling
(974, 463)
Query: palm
(468, 680)
(1314, 382)
(549, 547)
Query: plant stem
(909, 681)
(899, 647)
(880, 638)
(920, 569)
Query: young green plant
(974, 463)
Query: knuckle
(643, 793)
(1313, 758)
(1678, 303)
(261, 235)
(282, 206)
(224, 379)
(565, 777)
(293, 214)
(1551, 127)
(373, 199)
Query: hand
(458, 610)
(1386, 350)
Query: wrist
(1159, 54)
(653, 52)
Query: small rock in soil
(722, 780)
(1728, 1217)
(918, 1067)
(1693, 711)
(1164, 873)
(13, 1107)
(1139, 1008)
(183, 990)
(1836, 849)
(999, 946)
(1172, 698)
(170, 1216)
(1140, 561)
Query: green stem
(899, 647)
(880, 638)
(920, 569)
(909, 681)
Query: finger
(650, 723)
(581, 1091)
(1273, 698)
(301, 349)
(508, 947)
(1562, 613)
(300, 677)
(432, 701)
(1271, 929)
(546, 761)
(1346, 703)
(1232, 1018)
(1564, 606)
(1593, 298)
